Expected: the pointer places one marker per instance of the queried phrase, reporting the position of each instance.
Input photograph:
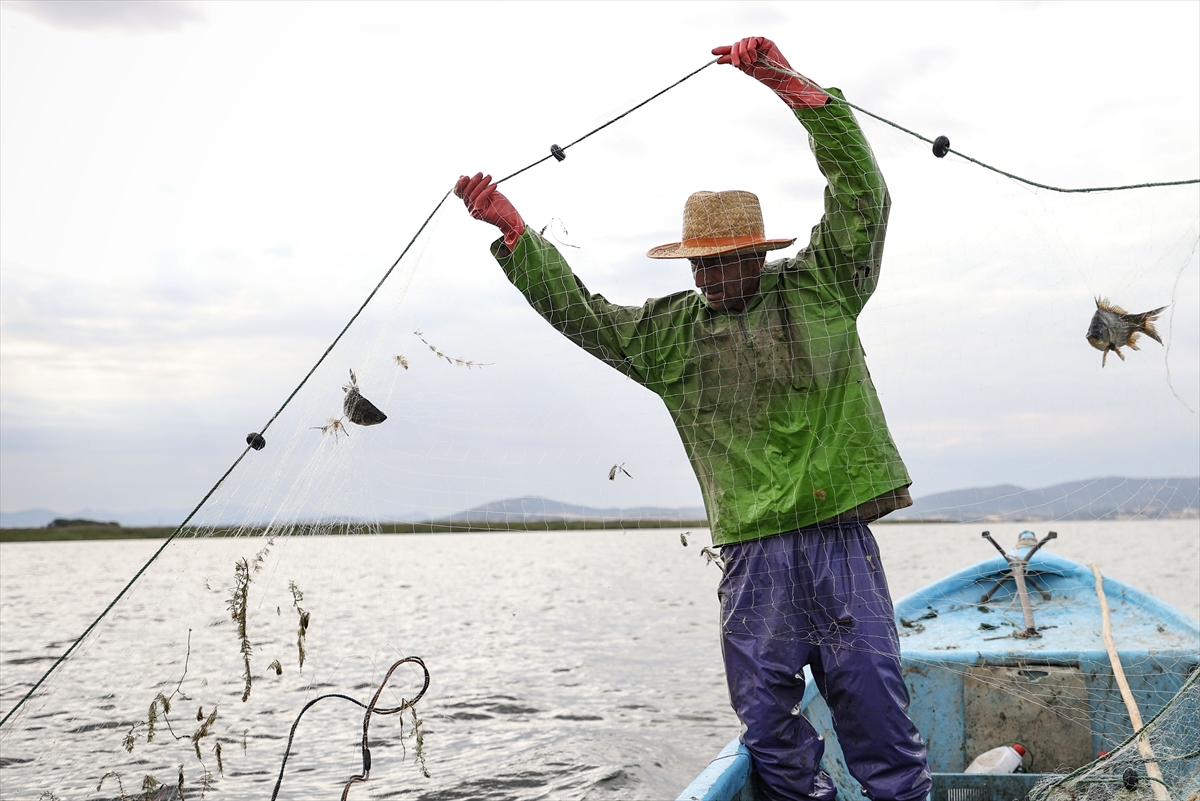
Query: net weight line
(559, 154)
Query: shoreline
(92, 533)
(82, 533)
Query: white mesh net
(1159, 761)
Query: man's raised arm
(621, 336)
(847, 246)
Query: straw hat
(720, 222)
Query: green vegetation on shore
(458, 527)
(102, 532)
(66, 533)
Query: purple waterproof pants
(818, 597)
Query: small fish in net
(617, 469)
(333, 426)
(1112, 328)
(358, 409)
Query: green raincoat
(774, 404)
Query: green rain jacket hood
(774, 404)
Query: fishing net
(1161, 761)
(448, 405)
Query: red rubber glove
(485, 203)
(745, 56)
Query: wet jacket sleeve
(640, 341)
(842, 260)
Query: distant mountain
(1096, 499)
(530, 509)
(510, 511)
(30, 518)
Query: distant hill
(529, 509)
(1112, 498)
(507, 513)
(1095, 499)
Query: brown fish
(358, 409)
(1113, 328)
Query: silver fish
(1113, 328)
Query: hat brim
(679, 250)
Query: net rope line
(610, 122)
(784, 71)
(74, 645)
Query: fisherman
(766, 380)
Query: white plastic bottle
(1004, 759)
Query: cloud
(766, 15)
(125, 16)
(160, 327)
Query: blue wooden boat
(985, 667)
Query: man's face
(729, 281)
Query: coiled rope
(372, 709)
(557, 153)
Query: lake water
(563, 665)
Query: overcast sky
(194, 198)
